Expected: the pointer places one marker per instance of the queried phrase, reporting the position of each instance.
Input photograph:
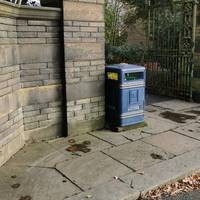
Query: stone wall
(30, 76)
(47, 91)
(40, 68)
(84, 64)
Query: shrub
(125, 54)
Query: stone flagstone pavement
(103, 165)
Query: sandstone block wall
(40, 67)
(30, 76)
(42, 84)
(84, 64)
(11, 116)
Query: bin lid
(126, 67)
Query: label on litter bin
(112, 76)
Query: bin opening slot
(134, 76)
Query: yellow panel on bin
(112, 76)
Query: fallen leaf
(187, 184)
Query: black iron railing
(171, 48)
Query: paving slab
(121, 137)
(194, 111)
(152, 109)
(176, 118)
(94, 144)
(176, 105)
(173, 142)
(180, 117)
(134, 135)
(191, 130)
(6, 172)
(92, 170)
(154, 112)
(52, 159)
(138, 155)
(33, 154)
(164, 172)
(158, 125)
(111, 137)
(114, 190)
(37, 183)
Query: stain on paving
(196, 112)
(13, 176)
(79, 147)
(190, 130)
(25, 198)
(15, 186)
(157, 156)
(177, 117)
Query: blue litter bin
(125, 95)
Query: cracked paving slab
(38, 183)
(173, 142)
(134, 135)
(111, 137)
(38, 154)
(47, 154)
(164, 172)
(138, 155)
(92, 170)
(114, 190)
(121, 137)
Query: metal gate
(171, 37)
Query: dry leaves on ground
(187, 184)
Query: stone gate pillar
(84, 64)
